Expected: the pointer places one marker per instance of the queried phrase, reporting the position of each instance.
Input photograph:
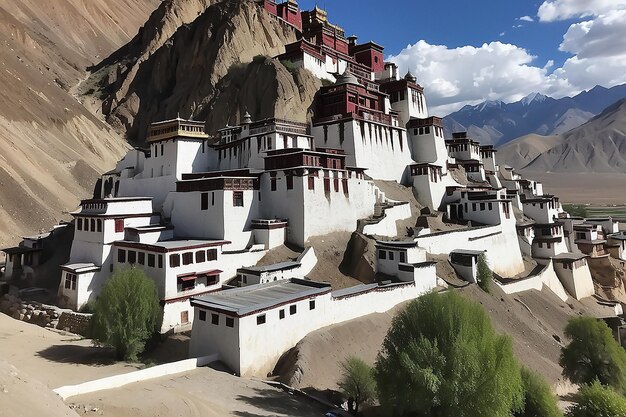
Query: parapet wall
(500, 242)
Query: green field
(583, 210)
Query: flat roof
(80, 268)
(271, 268)
(256, 298)
(569, 256)
(618, 236)
(396, 244)
(170, 245)
(19, 250)
(468, 252)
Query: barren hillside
(203, 71)
(53, 148)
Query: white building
(98, 224)
(237, 324)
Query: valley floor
(584, 188)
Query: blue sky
(464, 52)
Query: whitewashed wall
(500, 242)
(387, 225)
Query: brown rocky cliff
(183, 74)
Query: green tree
(597, 401)
(484, 274)
(126, 313)
(539, 401)
(593, 354)
(442, 357)
(357, 382)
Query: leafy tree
(597, 401)
(126, 313)
(484, 274)
(539, 401)
(593, 354)
(443, 358)
(357, 382)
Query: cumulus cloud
(553, 10)
(454, 77)
(599, 49)
(526, 19)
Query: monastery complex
(198, 212)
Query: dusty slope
(52, 146)
(202, 392)
(597, 146)
(520, 152)
(18, 390)
(532, 319)
(182, 74)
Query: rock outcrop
(202, 67)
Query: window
(482, 206)
(160, 261)
(293, 309)
(212, 199)
(151, 259)
(238, 198)
(141, 258)
(204, 201)
(290, 182)
(119, 225)
(473, 206)
(273, 183)
(132, 257)
(187, 283)
(211, 255)
(311, 183)
(402, 257)
(70, 281)
(187, 258)
(200, 256)
(549, 245)
(230, 322)
(99, 225)
(175, 260)
(490, 206)
(281, 313)
(390, 255)
(311, 304)
(93, 225)
(260, 319)
(202, 315)
(215, 319)
(121, 256)
(382, 254)
(184, 317)
(79, 225)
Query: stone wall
(77, 323)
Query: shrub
(442, 357)
(484, 274)
(593, 354)
(539, 401)
(357, 382)
(597, 401)
(126, 313)
(576, 210)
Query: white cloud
(553, 10)
(526, 19)
(454, 77)
(599, 49)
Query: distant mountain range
(496, 122)
(597, 146)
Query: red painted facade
(287, 11)
(370, 55)
(351, 100)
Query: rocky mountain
(213, 67)
(52, 146)
(496, 122)
(597, 146)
